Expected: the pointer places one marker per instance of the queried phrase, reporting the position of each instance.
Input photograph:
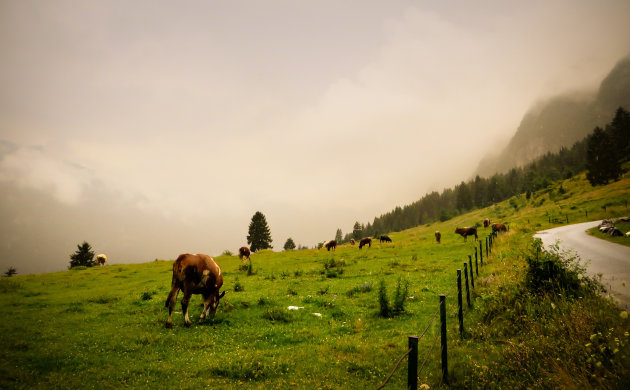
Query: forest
(609, 145)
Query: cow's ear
(222, 294)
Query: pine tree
(602, 160)
(339, 236)
(357, 231)
(259, 236)
(10, 272)
(289, 244)
(83, 257)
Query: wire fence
(413, 371)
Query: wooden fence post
(481, 252)
(472, 278)
(487, 253)
(460, 311)
(467, 289)
(443, 338)
(412, 367)
(476, 264)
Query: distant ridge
(562, 121)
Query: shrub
(385, 310)
(227, 252)
(400, 295)
(553, 271)
(238, 286)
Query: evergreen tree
(83, 257)
(464, 197)
(259, 236)
(339, 236)
(602, 161)
(357, 231)
(10, 272)
(619, 130)
(289, 244)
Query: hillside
(562, 121)
(104, 327)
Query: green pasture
(104, 327)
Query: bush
(553, 271)
(227, 252)
(400, 295)
(385, 310)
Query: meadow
(104, 327)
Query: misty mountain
(562, 121)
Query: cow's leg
(185, 301)
(206, 306)
(170, 303)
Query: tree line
(601, 154)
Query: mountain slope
(562, 121)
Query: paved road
(610, 259)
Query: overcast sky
(153, 128)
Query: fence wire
(394, 370)
(426, 358)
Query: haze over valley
(153, 133)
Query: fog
(153, 128)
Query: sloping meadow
(104, 327)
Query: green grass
(104, 327)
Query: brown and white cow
(365, 241)
(438, 236)
(486, 222)
(244, 253)
(195, 274)
(101, 259)
(467, 231)
(332, 244)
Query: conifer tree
(602, 160)
(339, 236)
(259, 236)
(83, 257)
(357, 231)
(289, 244)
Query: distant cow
(467, 231)
(101, 259)
(332, 244)
(195, 274)
(498, 227)
(486, 222)
(352, 242)
(438, 236)
(243, 253)
(365, 241)
(385, 238)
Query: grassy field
(104, 327)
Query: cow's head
(214, 304)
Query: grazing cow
(352, 242)
(365, 241)
(385, 238)
(243, 253)
(486, 222)
(101, 259)
(498, 227)
(195, 274)
(438, 236)
(332, 244)
(467, 231)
